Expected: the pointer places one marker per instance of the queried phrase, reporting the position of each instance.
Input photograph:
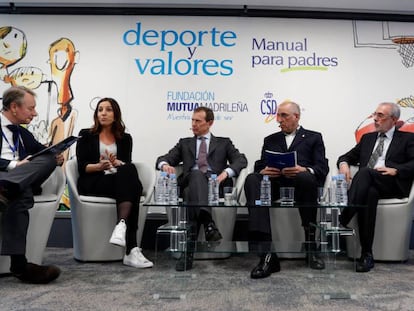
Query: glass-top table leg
(176, 237)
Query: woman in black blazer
(105, 169)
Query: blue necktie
(15, 129)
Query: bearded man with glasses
(386, 170)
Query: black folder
(58, 147)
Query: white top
(104, 150)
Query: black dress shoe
(315, 261)
(212, 233)
(365, 263)
(268, 264)
(35, 274)
(185, 262)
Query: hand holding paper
(280, 160)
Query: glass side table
(178, 236)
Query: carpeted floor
(212, 285)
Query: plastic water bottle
(341, 190)
(265, 191)
(339, 197)
(172, 190)
(213, 190)
(333, 186)
(216, 195)
(161, 191)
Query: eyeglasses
(380, 115)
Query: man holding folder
(309, 173)
(20, 178)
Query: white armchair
(93, 218)
(392, 230)
(41, 219)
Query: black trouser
(367, 187)
(194, 190)
(305, 185)
(21, 180)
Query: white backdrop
(335, 96)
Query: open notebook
(58, 147)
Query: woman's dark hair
(118, 127)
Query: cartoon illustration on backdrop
(30, 77)
(13, 47)
(392, 36)
(62, 59)
(386, 35)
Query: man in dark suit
(19, 178)
(386, 170)
(309, 173)
(220, 157)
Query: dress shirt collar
(207, 136)
(389, 134)
(4, 121)
(290, 137)
(293, 134)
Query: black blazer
(87, 152)
(221, 154)
(400, 155)
(31, 145)
(309, 148)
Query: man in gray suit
(202, 155)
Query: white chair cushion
(393, 201)
(45, 198)
(103, 200)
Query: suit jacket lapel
(193, 147)
(280, 142)
(393, 145)
(368, 148)
(299, 137)
(95, 144)
(1, 140)
(212, 146)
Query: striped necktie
(377, 152)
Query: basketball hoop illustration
(386, 35)
(406, 50)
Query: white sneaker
(136, 259)
(118, 235)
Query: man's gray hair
(15, 94)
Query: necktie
(377, 152)
(17, 142)
(202, 156)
